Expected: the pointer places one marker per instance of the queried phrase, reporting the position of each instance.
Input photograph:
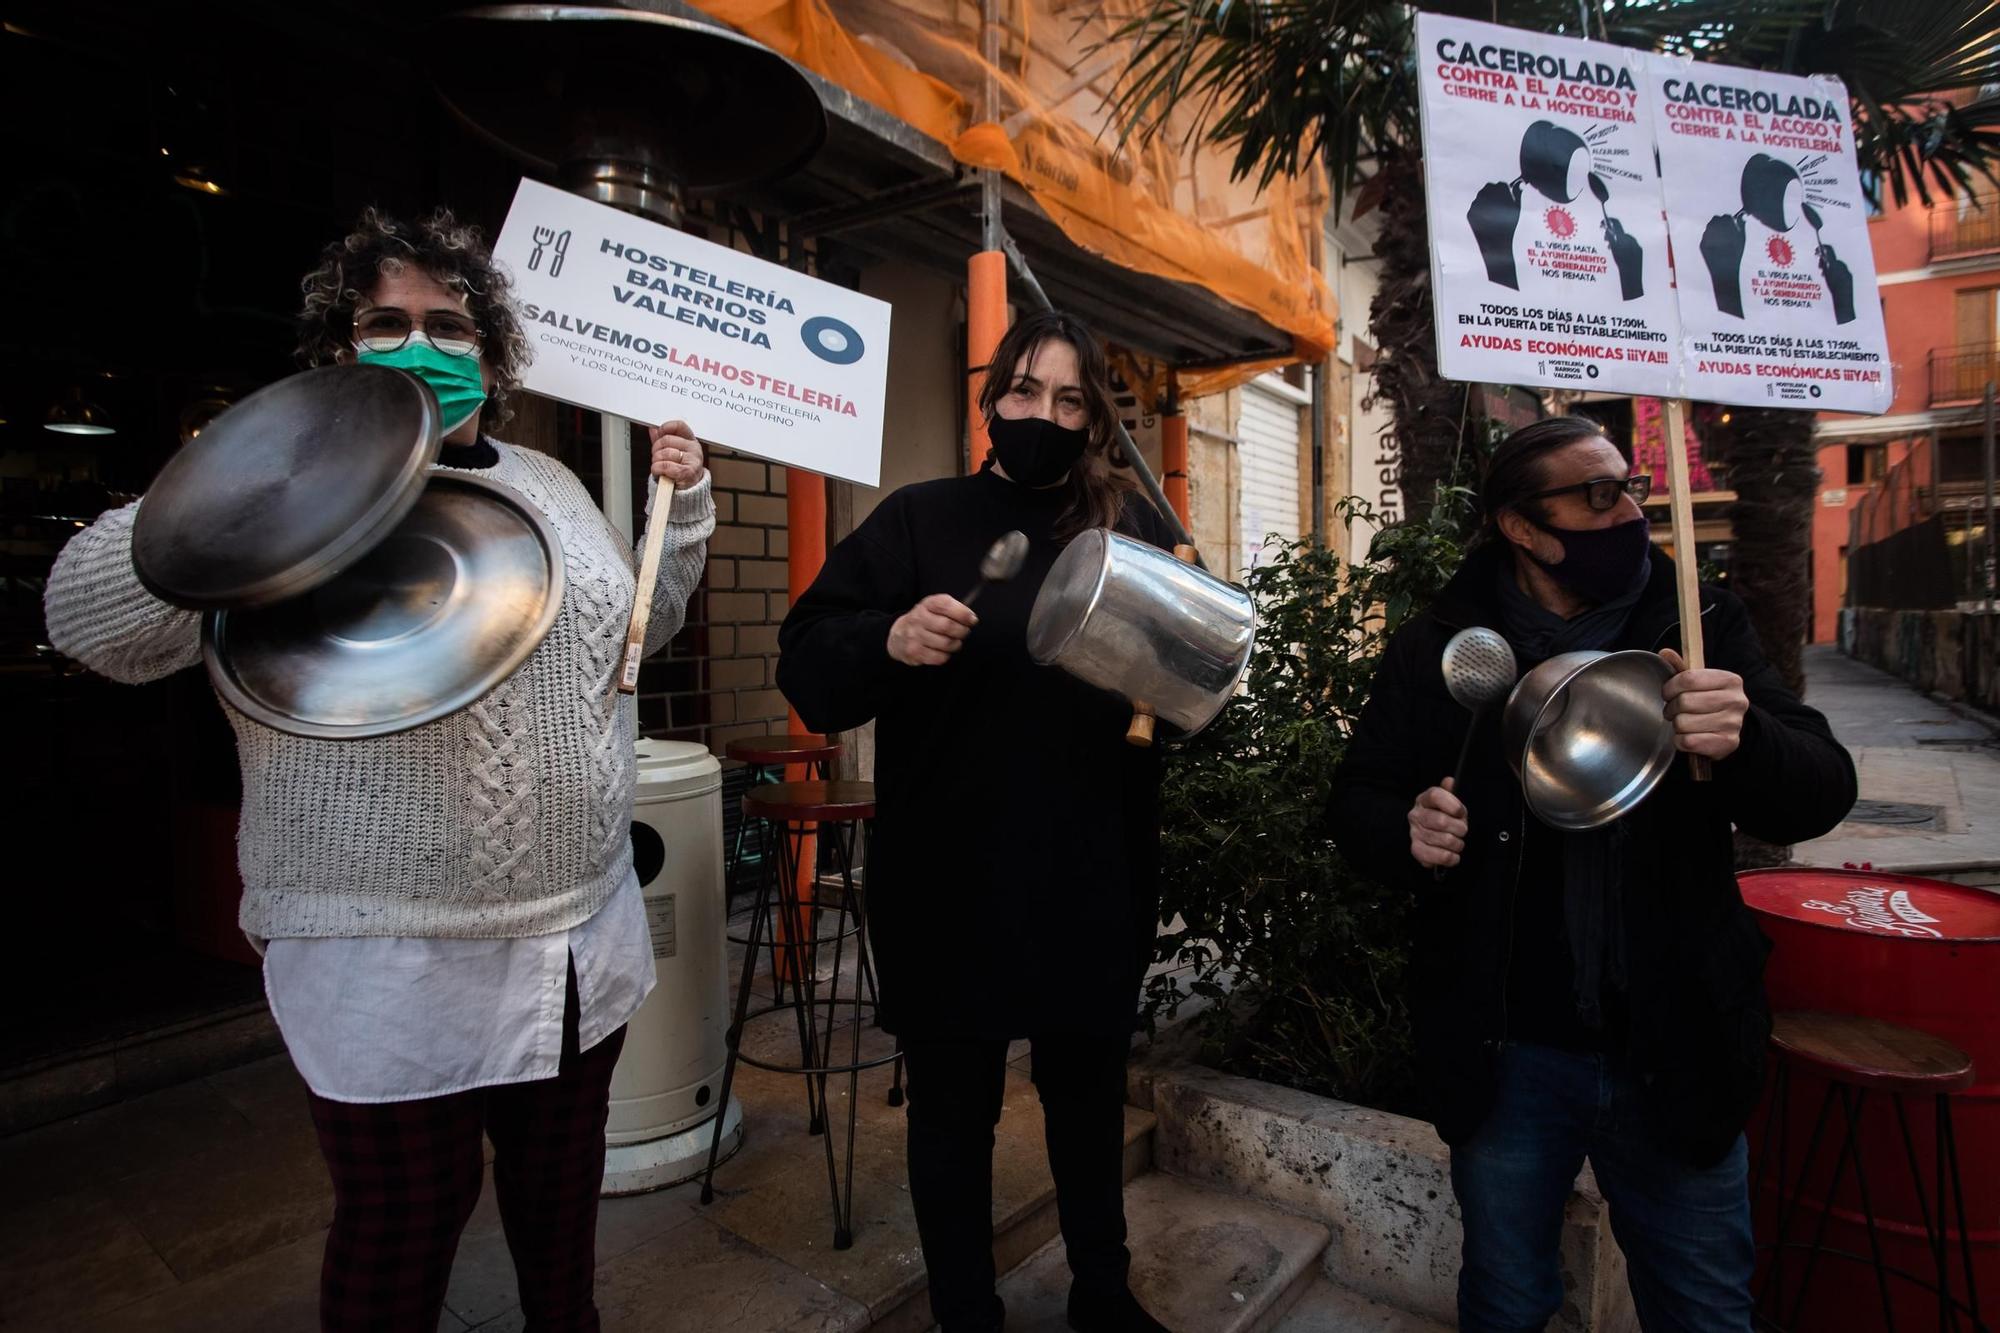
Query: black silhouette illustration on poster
(1556, 162)
(1775, 193)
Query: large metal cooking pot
(1164, 635)
(1588, 736)
(434, 616)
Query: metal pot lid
(719, 110)
(287, 488)
(439, 613)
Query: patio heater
(641, 111)
(631, 109)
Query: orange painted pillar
(805, 552)
(1174, 464)
(805, 525)
(985, 325)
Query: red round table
(1922, 954)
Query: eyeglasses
(384, 328)
(1602, 493)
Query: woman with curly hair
(453, 934)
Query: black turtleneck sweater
(1013, 885)
(479, 454)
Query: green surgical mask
(454, 379)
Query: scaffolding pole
(1990, 561)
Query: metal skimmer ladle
(1002, 561)
(1479, 670)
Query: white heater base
(635, 1168)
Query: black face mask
(1034, 450)
(1599, 564)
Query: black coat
(1696, 1019)
(1014, 877)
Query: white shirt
(395, 1018)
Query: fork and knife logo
(545, 238)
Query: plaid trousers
(407, 1174)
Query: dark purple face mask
(1599, 564)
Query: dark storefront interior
(174, 170)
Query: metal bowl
(440, 612)
(1588, 736)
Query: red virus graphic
(1781, 251)
(1560, 224)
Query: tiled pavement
(205, 1207)
(1930, 773)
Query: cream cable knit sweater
(509, 818)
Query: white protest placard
(1778, 300)
(1548, 251)
(635, 318)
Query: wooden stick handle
(1687, 565)
(1140, 733)
(642, 595)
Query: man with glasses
(1588, 995)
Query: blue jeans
(1685, 1231)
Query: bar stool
(1858, 1056)
(842, 813)
(764, 749)
(767, 758)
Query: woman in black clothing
(1013, 887)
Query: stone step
(1018, 1233)
(1329, 1308)
(1202, 1262)
(83, 1078)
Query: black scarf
(1537, 633)
(1593, 860)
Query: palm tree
(1289, 82)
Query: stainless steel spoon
(1002, 561)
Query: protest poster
(1778, 303)
(1549, 260)
(628, 316)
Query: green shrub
(1302, 959)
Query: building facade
(1938, 268)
